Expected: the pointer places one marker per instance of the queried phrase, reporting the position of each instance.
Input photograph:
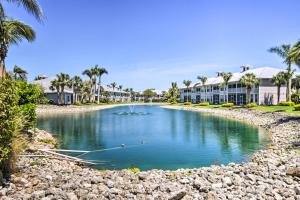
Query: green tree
(226, 78)
(284, 51)
(64, 81)
(113, 85)
(54, 86)
(187, 84)
(100, 71)
(39, 77)
(203, 80)
(19, 73)
(173, 93)
(149, 94)
(249, 80)
(279, 80)
(77, 84)
(296, 83)
(12, 32)
(294, 54)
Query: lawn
(283, 109)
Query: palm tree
(12, 32)
(85, 90)
(64, 81)
(19, 73)
(284, 52)
(55, 86)
(249, 80)
(294, 54)
(203, 80)
(173, 92)
(113, 85)
(77, 85)
(296, 83)
(187, 84)
(226, 78)
(30, 6)
(90, 74)
(279, 80)
(100, 71)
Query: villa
(108, 92)
(265, 93)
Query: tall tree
(77, 84)
(113, 85)
(19, 73)
(203, 80)
(12, 32)
(296, 83)
(31, 6)
(64, 81)
(284, 52)
(226, 78)
(100, 71)
(279, 80)
(54, 86)
(249, 80)
(39, 77)
(187, 84)
(173, 92)
(90, 74)
(294, 54)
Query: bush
(297, 107)
(187, 103)
(173, 102)
(203, 104)
(251, 105)
(29, 114)
(296, 98)
(10, 124)
(134, 169)
(286, 103)
(227, 104)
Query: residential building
(215, 92)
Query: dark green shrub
(286, 103)
(187, 103)
(251, 105)
(296, 98)
(203, 104)
(229, 104)
(29, 114)
(297, 107)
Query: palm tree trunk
(248, 97)
(2, 69)
(278, 94)
(289, 83)
(58, 97)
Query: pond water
(151, 137)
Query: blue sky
(150, 43)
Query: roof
(261, 73)
(108, 88)
(46, 83)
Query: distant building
(109, 93)
(51, 95)
(215, 93)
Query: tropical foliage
(226, 78)
(187, 84)
(59, 85)
(19, 73)
(279, 80)
(249, 80)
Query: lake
(151, 137)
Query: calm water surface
(155, 138)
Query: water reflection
(174, 138)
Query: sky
(151, 43)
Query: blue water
(155, 138)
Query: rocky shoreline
(273, 173)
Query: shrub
(286, 103)
(228, 104)
(173, 102)
(29, 114)
(251, 105)
(296, 98)
(297, 107)
(187, 103)
(203, 104)
(134, 169)
(10, 124)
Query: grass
(48, 141)
(281, 109)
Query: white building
(215, 93)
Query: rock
(72, 196)
(251, 177)
(216, 185)
(110, 184)
(184, 181)
(38, 194)
(293, 171)
(227, 181)
(178, 195)
(49, 177)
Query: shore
(273, 173)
